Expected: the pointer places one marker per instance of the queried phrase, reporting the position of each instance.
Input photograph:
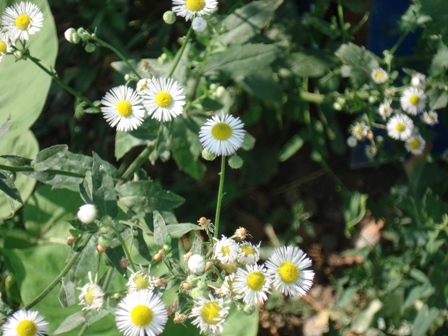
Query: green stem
(135, 165)
(125, 248)
(110, 271)
(181, 51)
(47, 290)
(60, 82)
(341, 22)
(312, 97)
(220, 194)
(116, 52)
(83, 330)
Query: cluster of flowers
(18, 22)
(142, 311)
(398, 118)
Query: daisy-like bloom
(430, 118)
(222, 135)
(209, 314)
(418, 80)
(87, 213)
(22, 19)
(5, 44)
(248, 254)
(25, 323)
(385, 110)
(226, 250)
(141, 313)
(252, 283)
(227, 288)
(140, 280)
(196, 264)
(241, 234)
(91, 296)
(123, 108)
(359, 130)
(415, 144)
(379, 75)
(164, 99)
(287, 268)
(413, 100)
(400, 127)
(193, 8)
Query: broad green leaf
(24, 145)
(115, 254)
(24, 93)
(244, 60)
(311, 63)
(49, 157)
(263, 85)
(67, 296)
(438, 98)
(240, 324)
(178, 230)
(87, 262)
(413, 18)
(160, 229)
(247, 21)
(424, 320)
(8, 187)
(360, 62)
(436, 10)
(365, 319)
(4, 129)
(71, 322)
(439, 63)
(103, 189)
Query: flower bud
(101, 249)
(72, 36)
(196, 293)
(187, 286)
(187, 256)
(196, 264)
(124, 263)
(202, 285)
(157, 257)
(87, 213)
(179, 318)
(169, 17)
(207, 155)
(209, 265)
(160, 282)
(199, 24)
(235, 162)
(70, 240)
(90, 47)
(249, 309)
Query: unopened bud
(187, 286)
(187, 256)
(196, 293)
(87, 213)
(207, 155)
(101, 249)
(196, 264)
(161, 282)
(70, 240)
(90, 47)
(169, 17)
(209, 265)
(241, 234)
(235, 162)
(157, 257)
(124, 263)
(72, 36)
(179, 318)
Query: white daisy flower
(430, 118)
(22, 19)
(196, 264)
(25, 323)
(193, 8)
(287, 268)
(210, 314)
(415, 144)
(227, 287)
(87, 213)
(379, 75)
(222, 135)
(5, 44)
(418, 80)
(140, 280)
(226, 250)
(141, 313)
(199, 24)
(248, 254)
(252, 283)
(164, 99)
(385, 110)
(123, 108)
(359, 130)
(400, 127)
(413, 100)
(91, 296)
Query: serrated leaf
(360, 61)
(178, 230)
(311, 63)
(160, 230)
(240, 61)
(73, 321)
(247, 21)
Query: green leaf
(160, 229)
(115, 254)
(247, 21)
(240, 324)
(364, 320)
(22, 98)
(438, 98)
(67, 296)
(8, 187)
(355, 209)
(24, 145)
(436, 10)
(240, 61)
(49, 157)
(4, 128)
(147, 196)
(413, 18)
(263, 85)
(103, 189)
(439, 63)
(292, 147)
(71, 322)
(360, 62)
(311, 63)
(178, 230)
(424, 320)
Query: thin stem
(341, 22)
(116, 52)
(220, 194)
(312, 97)
(110, 271)
(135, 165)
(125, 248)
(83, 329)
(181, 51)
(60, 82)
(47, 290)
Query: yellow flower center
(195, 5)
(379, 75)
(414, 99)
(141, 315)
(3, 47)
(225, 250)
(414, 144)
(164, 99)
(255, 281)
(23, 21)
(210, 312)
(221, 131)
(141, 281)
(247, 250)
(26, 328)
(90, 296)
(124, 108)
(288, 271)
(400, 127)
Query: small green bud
(207, 155)
(220, 91)
(249, 309)
(104, 241)
(169, 17)
(90, 47)
(235, 162)
(197, 292)
(192, 280)
(18, 54)
(202, 285)
(105, 229)
(81, 30)
(373, 99)
(72, 36)
(337, 106)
